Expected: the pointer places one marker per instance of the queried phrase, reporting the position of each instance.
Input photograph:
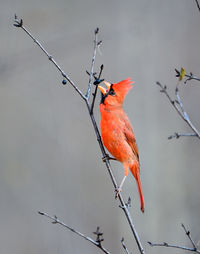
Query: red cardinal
(117, 133)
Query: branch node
(177, 73)
(176, 90)
(124, 246)
(99, 43)
(129, 202)
(96, 30)
(55, 221)
(176, 135)
(41, 213)
(99, 235)
(17, 22)
(127, 205)
(164, 88)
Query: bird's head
(115, 93)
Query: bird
(117, 132)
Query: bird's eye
(112, 92)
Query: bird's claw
(117, 191)
(107, 157)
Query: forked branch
(124, 246)
(97, 242)
(19, 23)
(178, 105)
(96, 44)
(164, 244)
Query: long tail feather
(140, 192)
(135, 169)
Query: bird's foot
(117, 191)
(107, 157)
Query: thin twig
(189, 236)
(99, 235)
(178, 135)
(190, 77)
(177, 104)
(197, 3)
(97, 243)
(92, 65)
(184, 113)
(19, 23)
(164, 244)
(128, 204)
(172, 246)
(106, 160)
(124, 246)
(96, 83)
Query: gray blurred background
(50, 159)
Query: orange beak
(102, 89)
(107, 84)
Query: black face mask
(110, 92)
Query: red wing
(128, 132)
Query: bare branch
(92, 65)
(20, 24)
(184, 113)
(124, 246)
(178, 135)
(179, 102)
(96, 83)
(197, 3)
(178, 105)
(189, 236)
(190, 77)
(164, 244)
(97, 243)
(106, 158)
(99, 235)
(172, 246)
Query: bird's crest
(116, 92)
(122, 88)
